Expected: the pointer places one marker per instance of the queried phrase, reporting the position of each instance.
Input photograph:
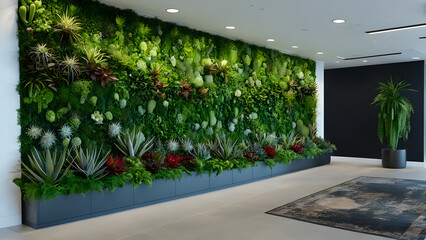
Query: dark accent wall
(350, 119)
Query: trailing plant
(395, 112)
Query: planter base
(394, 158)
(63, 209)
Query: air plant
(45, 166)
(90, 163)
(133, 143)
(114, 129)
(34, 132)
(41, 55)
(172, 145)
(201, 151)
(65, 131)
(116, 165)
(48, 139)
(103, 74)
(225, 148)
(154, 70)
(68, 26)
(70, 66)
(187, 144)
(93, 57)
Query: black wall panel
(350, 119)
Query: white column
(320, 107)
(424, 116)
(10, 200)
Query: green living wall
(90, 71)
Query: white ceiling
(305, 23)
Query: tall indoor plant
(394, 121)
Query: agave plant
(103, 74)
(201, 151)
(225, 149)
(70, 66)
(133, 143)
(93, 57)
(90, 163)
(41, 55)
(68, 26)
(46, 166)
(395, 112)
(288, 140)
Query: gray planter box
(223, 179)
(160, 189)
(261, 170)
(63, 209)
(242, 175)
(107, 200)
(195, 183)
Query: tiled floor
(234, 213)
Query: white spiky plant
(34, 132)
(48, 139)
(172, 145)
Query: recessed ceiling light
(294, 46)
(339, 20)
(337, 62)
(172, 10)
(230, 27)
(364, 61)
(320, 53)
(270, 40)
(396, 28)
(416, 58)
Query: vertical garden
(110, 97)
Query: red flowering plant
(251, 156)
(173, 160)
(297, 148)
(189, 162)
(153, 161)
(116, 165)
(270, 151)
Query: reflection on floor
(234, 213)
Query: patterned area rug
(387, 207)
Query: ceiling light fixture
(294, 46)
(230, 27)
(270, 40)
(416, 58)
(422, 37)
(364, 61)
(371, 56)
(338, 21)
(172, 10)
(320, 53)
(397, 28)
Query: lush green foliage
(113, 77)
(395, 112)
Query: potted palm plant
(394, 121)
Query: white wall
(320, 108)
(10, 203)
(424, 118)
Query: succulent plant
(133, 143)
(225, 148)
(103, 74)
(90, 163)
(201, 151)
(68, 26)
(109, 116)
(45, 166)
(151, 106)
(187, 144)
(76, 142)
(70, 66)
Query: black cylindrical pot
(394, 158)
